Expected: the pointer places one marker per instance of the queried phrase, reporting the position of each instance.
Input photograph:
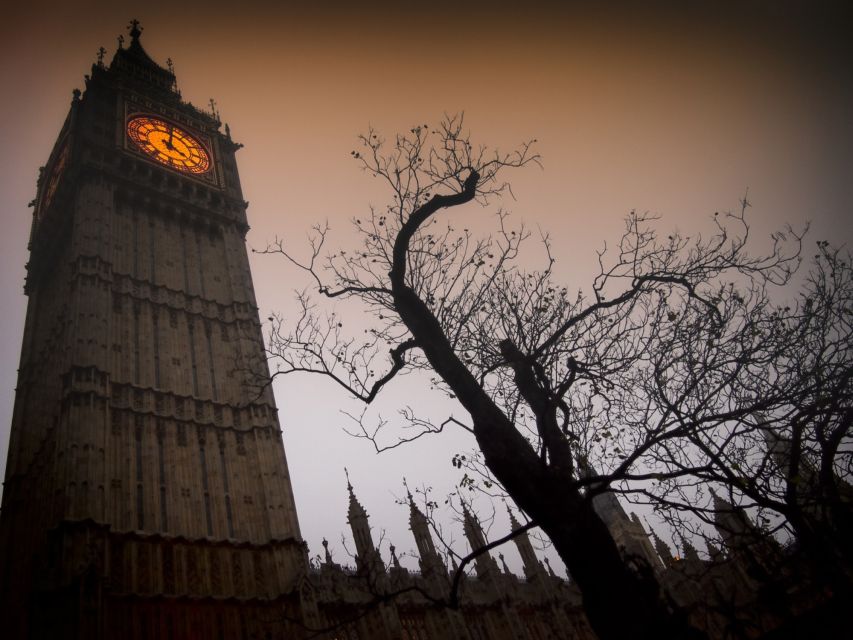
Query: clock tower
(147, 493)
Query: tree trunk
(827, 550)
(619, 602)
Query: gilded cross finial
(408, 492)
(213, 110)
(134, 28)
(326, 548)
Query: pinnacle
(514, 523)
(134, 29)
(355, 509)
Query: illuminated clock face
(168, 144)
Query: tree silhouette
(569, 396)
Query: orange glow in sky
(634, 107)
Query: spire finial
(394, 559)
(101, 53)
(326, 548)
(213, 110)
(134, 29)
(170, 65)
(349, 484)
(120, 41)
(503, 564)
(550, 570)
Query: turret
(430, 561)
(532, 567)
(714, 552)
(606, 503)
(692, 564)
(367, 557)
(485, 563)
(731, 522)
(744, 541)
(398, 572)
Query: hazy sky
(635, 107)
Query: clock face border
(209, 175)
(169, 144)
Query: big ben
(147, 493)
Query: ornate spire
(532, 566)
(550, 570)
(663, 549)
(327, 553)
(503, 565)
(714, 551)
(214, 111)
(355, 511)
(513, 523)
(691, 556)
(135, 30)
(366, 554)
(417, 520)
(485, 563)
(472, 529)
(394, 561)
(135, 63)
(719, 503)
(430, 561)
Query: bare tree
(763, 395)
(538, 371)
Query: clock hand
(171, 133)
